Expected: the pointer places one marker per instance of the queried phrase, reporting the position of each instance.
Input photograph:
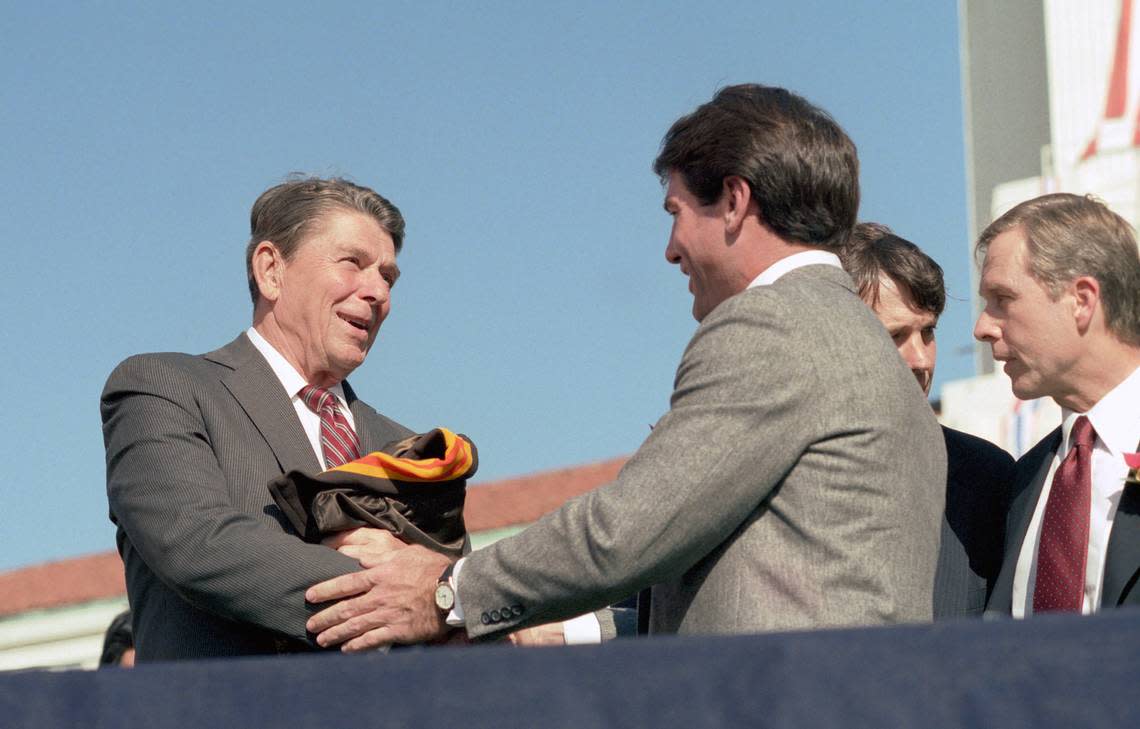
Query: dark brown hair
(875, 251)
(801, 166)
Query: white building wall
(986, 407)
(69, 637)
(1080, 36)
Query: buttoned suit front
(1122, 558)
(212, 567)
(797, 481)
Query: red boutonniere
(1133, 462)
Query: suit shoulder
(818, 285)
(975, 467)
(737, 327)
(966, 446)
(160, 361)
(796, 298)
(384, 421)
(1043, 449)
(159, 370)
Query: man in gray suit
(797, 480)
(905, 289)
(212, 567)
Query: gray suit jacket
(797, 481)
(212, 567)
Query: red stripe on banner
(1118, 83)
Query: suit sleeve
(730, 436)
(170, 497)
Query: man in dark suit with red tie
(212, 566)
(1061, 286)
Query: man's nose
(984, 329)
(672, 255)
(375, 288)
(916, 354)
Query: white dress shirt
(292, 381)
(1116, 420)
(773, 273)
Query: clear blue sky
(536, 311)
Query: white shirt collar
(290, 378)
(1115, 417)
(773, 273)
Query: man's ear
(268, 269)
(1086, 301)
(736, 196)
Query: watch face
(444, 596)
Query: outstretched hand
(392, 601)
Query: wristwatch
(444, 592)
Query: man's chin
(345, 365)
(925, 381)
(1023, 390)
(701, 308)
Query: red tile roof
(492, 505)
(76, 580)
(524, 499)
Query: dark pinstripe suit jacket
(979, 476)
(212, 567)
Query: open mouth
(361, 324)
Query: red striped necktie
(338, 440)
(1062, 553)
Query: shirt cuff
(583, 629)
(455, 617)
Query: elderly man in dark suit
(905, 289)
(797, 479)
(212, 568)
(1061, 285)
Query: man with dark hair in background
(905, 289)
(1061, 286)
(797, 479)
(212, 567)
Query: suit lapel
(252, 383)
(1122, 560)
(362, 417)
(1031, 473)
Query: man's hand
(548, 634)
(364, 544)
(390, 602)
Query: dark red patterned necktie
(338, 440)
(1064, 547)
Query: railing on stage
(1051, 671)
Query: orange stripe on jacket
(454, 464)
